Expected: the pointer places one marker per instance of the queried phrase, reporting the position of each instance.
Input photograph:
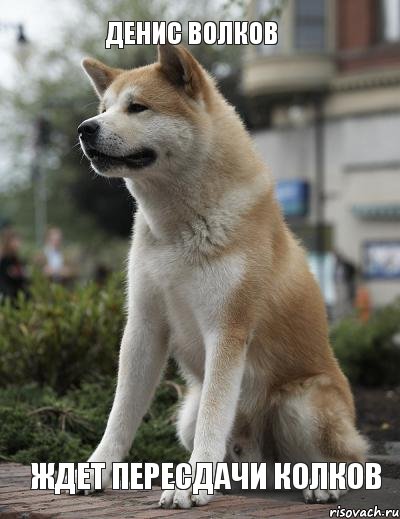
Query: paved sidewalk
(17, 501)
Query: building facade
(324, 105)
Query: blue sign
(381, 259)
(293, 195)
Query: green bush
(369, 352)
(39, 426)
(58, 360)
(58, 365)
(61, 337)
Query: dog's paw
(322, 496)
(184, 498)
(90, 480)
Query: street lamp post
(18, 28)
(41, 140)
(41, 133)
(21, 38)
(320, 188)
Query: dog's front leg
(225, 361)
(142, 357)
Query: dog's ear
(181, 68)
(101, 76)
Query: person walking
(13, 277)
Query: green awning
(387, 211)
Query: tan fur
(295, 404)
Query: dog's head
(152, 120)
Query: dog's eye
(135, 108)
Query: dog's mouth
(140, 159)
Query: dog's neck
(200, 219)
(174, 210)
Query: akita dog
(216, 279)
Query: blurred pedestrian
(101, 274)
(55, 267)
(13, 278)
(349, 273)
(363, 303)
(345, 283)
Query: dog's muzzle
(88, 132)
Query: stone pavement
(17, 501)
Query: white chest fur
(195, 297)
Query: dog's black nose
(88, 130)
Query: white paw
(105, 481)
(322, 496)
(184, 498)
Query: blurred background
(323, 107)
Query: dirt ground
(378, 413)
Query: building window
(390, 20)
(310, 25)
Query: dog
(215, 279)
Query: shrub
(61, 337)
(39, 426)
(368, 352)
(58, 365)
(58, 359)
